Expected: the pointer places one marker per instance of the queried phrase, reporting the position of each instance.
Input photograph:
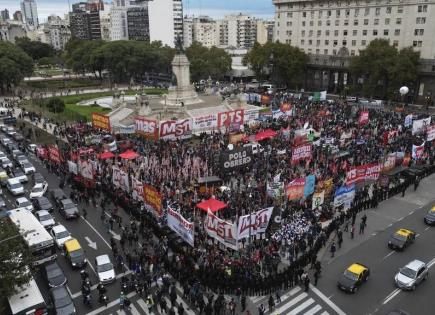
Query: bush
(55, 105)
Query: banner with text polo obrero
(152, 199)
(222, 231)
(136, 189)
(301, 152)
(120, 179)
(100, 121)
(254, 223)
(181, 226)
(295, 189)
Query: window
(317, 51)
(336, 33)
(310, 50)
(312, 14)
(319, 33)
(398, 21)
(327, 32)
(304, 14)
(310, 33)
(311, 23)
(396, 32)
(378, 11)
(355, 22)
(325, 52)
(334, 51)
(356, 12)
(385, 32)
(289, 14)
(328, 23)
(366, 11)
(354, 32)
(387, 21)
(303, 23)
(345, 33)
(376, 22)
(419, 32)
(396, 43)
(337, 22)
(366, 21)
(337, 13)
(420, 20)
(310, 42)
(335, 43)
(329, 13)
(388, 10)
(433, 68)
(417, 43)
(352, 52)
(363, 42)
(344, 42)
(302, 42)
(400, 9)
(422, 8)
(346, 22)
(318, 42)
(353, 42)
(302, 33)
(319, 23)
(326, 42)
(347, 12)
(320, 14)
(375, 32)
(423, 20)
(289, 23)
(364, 32)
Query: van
(14, 186)
(75, 253)
(256, 147)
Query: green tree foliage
(35, 49)
(55, 105)
(14, 258)
(384, 69)
(15, 64)
(207, 62)
(283, 63)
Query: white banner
(110, 146)
(419, 125)
(86, 169)
(120, 179)
(254, 223)
(72, 167)
(222, 231)
(318, 199)
(181, 226)
(204, 123)
(344, 195)
(137, 189)
(430, 133)
(124, 129)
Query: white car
(45, 218)
(6, 162)
(18, 174)
(5, 141)
(10, 131)
(38, 190)
(60, 235)
(411, 275)
(105, 270)
(23, 202)
(22, 159)
(16, 153)
(14, 186)
(28, 168)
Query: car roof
(404, 232)
(22, 199)
(38, 185)
(72, 245)
(433, 209)
(415, 264)
(66, 200)
(42, 212)
(357, 268)
(51, 265)
(102, 259)
(14, 180)
(58, 228)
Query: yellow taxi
(75, 253)
(355, 275)
(401, 238)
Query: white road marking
(75, 295)
(109, 305)
(390, 225)
(388, 255)
(302, 307)
(400, 219)
(134, 310)
(431, 263)
(313, 310)
(391, 296)
(427, 228)
(326, 300)
(325, 313)
(417, 235)
(373, 234)
(293, 301)
(98, 233)
(143, 306)
(92, 268)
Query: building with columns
(333, 31)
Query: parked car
(38, 190)
(105, 269)
(6, 163)
(62, 301)
(411, 275)
(23, 202)
(60, 235)
(14, 186)
(53, 274)
(42, 203)
(28, 168)
(69, 209)
(18, 174)
(58, 195)
(38, 178)
(45, 218)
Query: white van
(28, 300)
(3, 111)
(256, 147)
(14, 186)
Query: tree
(35, 49)
(55, 105)
(258, 59)
(384, 69)
(14, 259)
(15, 64)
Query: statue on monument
(179, 45)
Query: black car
(62, 301)
(38, 178)
(429, 218)
(58, 195)
(54, 275)
(42, 203)
(355, 275)
(18, 137)
(69, 209)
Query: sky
(214, 8)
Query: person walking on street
(180, 309)
(261, 309)
(121, 301)
(271, 303)
(361, 227)
(307, 283)
(340, 238)
(333, 249)
(85, 214)
(352, 231)
(316, 277)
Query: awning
(211, 204)
(106, 155)
(265, 134)
(129, 155)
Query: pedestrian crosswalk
(293, 302)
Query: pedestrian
(232, 307)
(261, 309)
(243, 302)
(316, 277)
(271, 303)
(163, 305)
(85, 214)
(333, 249)
(416, 182)
(361, 227)
(180, 309)
(278, 297)
(307, 283)
(121, 301)
(352, 231)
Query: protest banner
(72, 167)
(230, 117)
(100, 121)
(152, 199)
(362, 173)
(220, 230)
(137, 189)
(254, 223)
(175, 129)
(237, 158)
(417, 151)
(310, 182)
(295, 189)
(54, 154)
(364, 117)
(148, 128)
(204, 123)
(318, 199)
(418, 126)
(408, 121)
(86, 169)
(301, 152)
(120, 179)
(344, 195)
(430, 133)
(181, 226)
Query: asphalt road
(379, 294)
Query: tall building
(4, 15)
(241, 30)
(10, 30)
(346, 27)
(165, 20)
(138, 23)
(85, 20)
(200, 29)
(30, 12)
(106, 22)
(264, 31)
(18, 16)
(55, 32)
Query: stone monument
(183, 93)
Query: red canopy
(106, 155)
(212, 204)
(265, 134)
(129, 155)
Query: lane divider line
(325, 299)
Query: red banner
(148, 128)
(232, 117)
(295, 190)
(176, 129)
(389, 136)
(301, 152)
(152, 198)
(41, 152)
(54, 154)
(364, 117)
(100, 121)
(362, 173)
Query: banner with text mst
(222, 231)
(254, 223)
(176, 129)
(240, 157)
(181, 226)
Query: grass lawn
(50, 71)
(61, 84)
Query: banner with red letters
(235, 117)
(222, 231)
(149, 128)
(181, 226)
(295, 189)
(364, 117)
(153, 199)
(301, 152)
(362, 173)
(176, 129)
(254, 223)
(54, 154)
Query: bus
(39, 242)
(28, 300)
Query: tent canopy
(129, 155)
(106, 155)
(212, 204)
(265, 134)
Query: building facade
(56, 32)
(202, 29)
(242, 30)
(264, 31)
(18, 16)
(4, 14)
(85, 20)
(30, 12)
(138, 23)
(10, 30)
(165, 20)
